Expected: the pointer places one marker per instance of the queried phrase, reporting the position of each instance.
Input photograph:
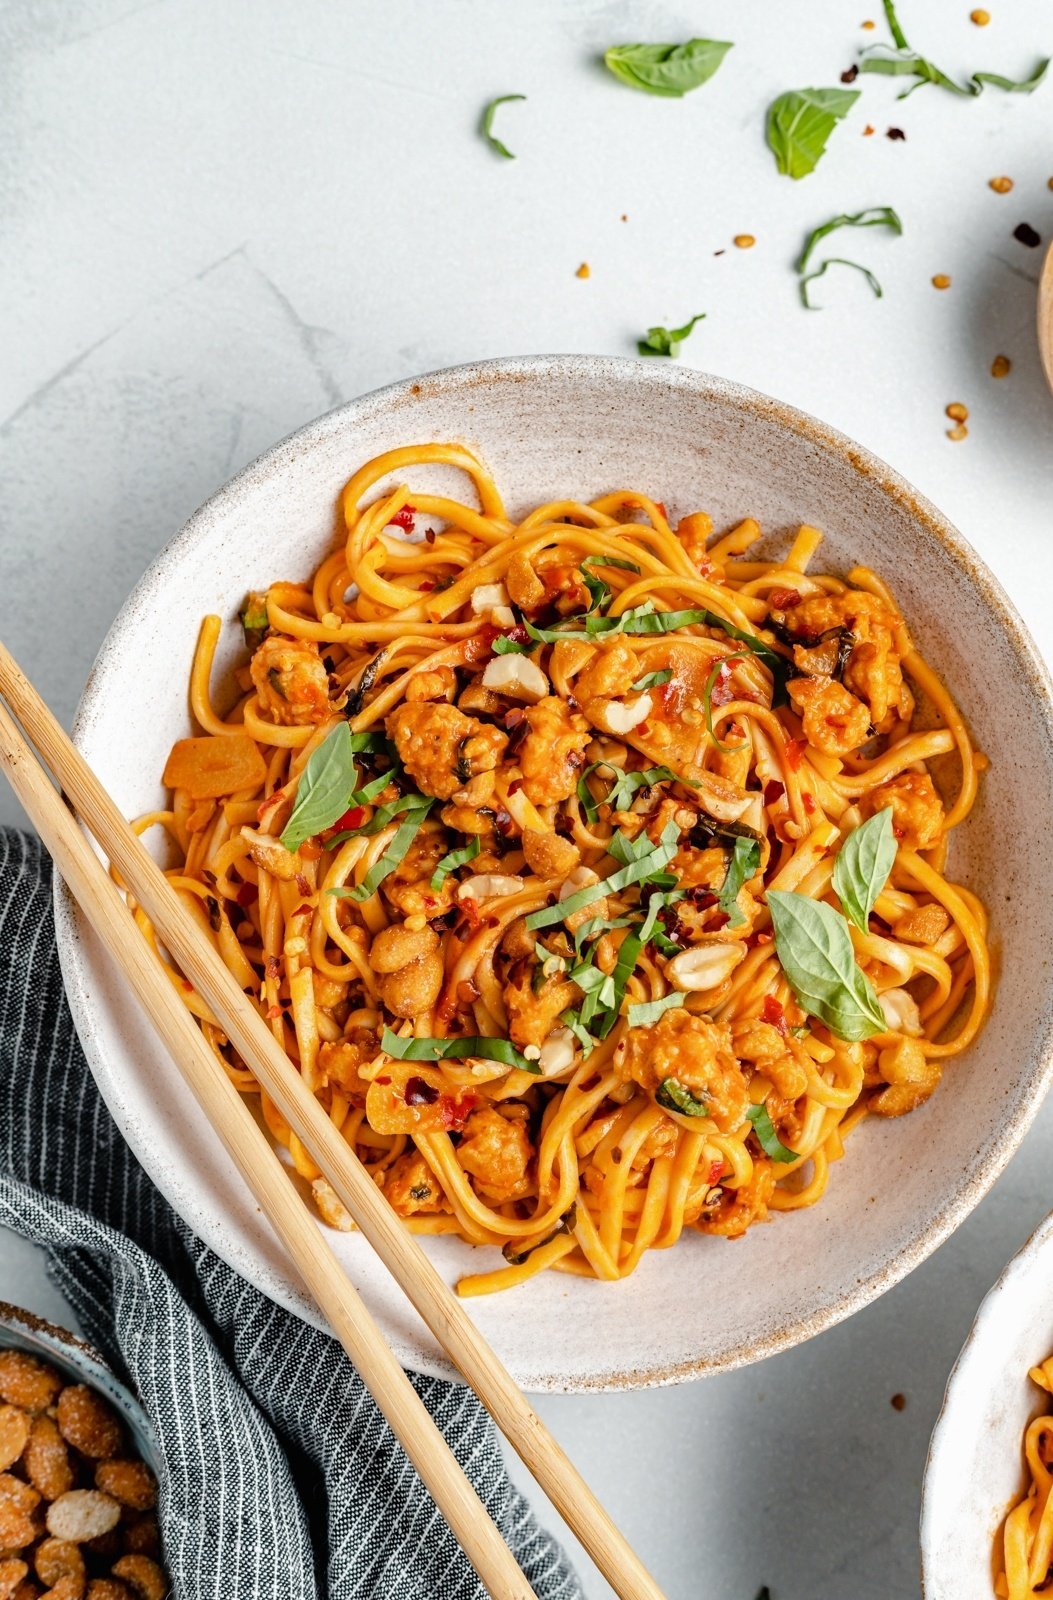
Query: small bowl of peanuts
(77, 1486)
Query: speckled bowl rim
(24, 1330)
(969, 1188)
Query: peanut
(14, 1432)
(87, 1422)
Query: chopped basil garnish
(719, 667)
(625, 785)
(504, 646)
(610, 561)
(767, 1138)
(744, 864)
(488, 124)
(873, 217)
(862, 867)
(836, 261)
(456, 1050)
(904, 62)
(814, 948)
(667, 341)
(672, 1095)
(571, 1020)
(801, 121)
(455, 859)
(641, 869)
(671, 70)
(417, 806)
(652, 680)
(648, 1011)
(325, 787)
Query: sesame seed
(744, 241)
(1000, 366)
(957, 412)
(981, 18)
(1000, 185)
(941, 281)
(958, 432)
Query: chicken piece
(292, 685)
(496, 1151)
(339, 1062)
(917, 811)
(523, 584)
(532, 1014)
(413, 989)
(923, 925)
(834, 721)
(412, 1187)
(548, 855)
(698, 1054)
(738, 1209)
(442, 748)
(911, 1077)
(700, 869)
(438, 684)
(661, 1141)
(873, 671)
(694, 533)
(552, 755)
(409, 888)
(612, 671)
(766, 1048)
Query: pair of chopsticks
(30, 771)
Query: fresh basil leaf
(648, 1011)
(396, 851)
(455, 1050)
(836, 261)
(487, 127)
(667, 341)
(907, 63)
(671, 70)
(801, 121)
(374, 743)
(610, 561)
(862, 867)
(571, 1020)
(815, 951)
(323, 793)
(767, 1138)
(504, 646)
(652, 680)
(873, 217)
(597, 925)
(637, 871)
(455, 859)
(672, 1095)
(743, 865)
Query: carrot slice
(213, 766)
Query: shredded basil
(672, 70)
(418, 807)
(707, 699)
(625, 785)
(571, 1020)
(667, 341)
(639, 870)
(743, 865)
(487, 126)
(862, 867)
(814, 948)
(836, 261)
(652, 680)
(673, 1096)
(648, 1011)
(768, 1139)
(799, 124)
(485, 1049)
(455, 859)
(873, 217)
(904, 62)
(504, 646)
(323, 793)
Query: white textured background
(219, 218)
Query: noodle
(1024, 1562)
(535, 780)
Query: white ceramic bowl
(975, 1468)
(579, 425)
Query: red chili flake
(419, 1092)
(352, 818)
(722, 693)
(795, 752)
(265, 805)
(427, 585)
(302, 884)
(404, 518)
(809, 803)
(702, 898)
(772, 1011)
(716, 1172)
(773, 792)
(783, 599)
(385, 1080)
(514, 717)
(643, 727)
(503, 823)
(273, 1012)
(1026, 234)
(895, 133)
(429, 535)
(454, 1109)
(304, 911)
(899, 832)
(470, 908)
(755, 939)
(481, 645)
(515, 785)
(661, 506)
(187, 985)
(247, 895)
(850, 74)
(868, 130)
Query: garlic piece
(557, 1053)
(486, 597)
(901, 1012)
(489, 886)
(516, 676)
(704, 966)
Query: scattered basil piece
(639, 870)
(323, 793)
(503, 646)
(907, 63)
(836, 261)
(671, 70)
(455, 1050)
(652, 680)
(799, 124)
(873, 217)
(815, 951)
(622, 789)
(674, 1097)
(862, 867)
(571, 1020)
(488, 124)
(743, 865)
(648, 1011)
(667, 341)
(254, 619)
(455, 859)
(417, 809)
(767, 1138)
(610, 561)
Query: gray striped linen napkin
(279, 1479)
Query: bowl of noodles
(591, 769)
(987, 1509)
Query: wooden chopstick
(253, 1155)
(395, 1245)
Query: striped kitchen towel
(279, 1478)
